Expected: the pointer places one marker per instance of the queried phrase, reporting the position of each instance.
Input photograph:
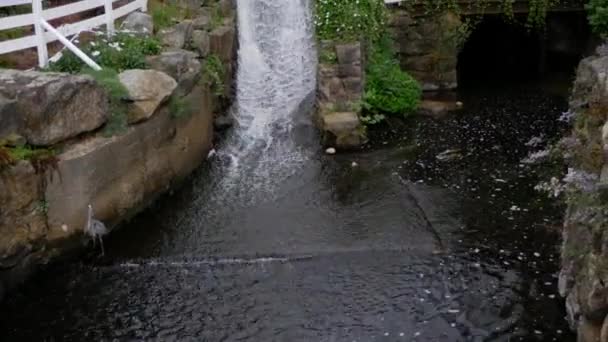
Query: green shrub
(389, 90)
(343, 20)
(598, 16)
(214, 74)
(163, 15)
(108, 79)
(124, 51)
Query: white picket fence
(44, 33)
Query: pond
(387, 244)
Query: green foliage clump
(214, 74)
(389, 90)
(342, 20)
(180, 107)
(217, 19)
(536, 19)
(40, 158)
(163, 14)
(108, 79)
(372, 119)
(598, 16)
(328, 56)
(124, 51)
(28, 152)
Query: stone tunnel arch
(501, 51)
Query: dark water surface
(294, 245)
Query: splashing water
(276, 82)
(277, 68)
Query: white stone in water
(354, 164)
(330, 151)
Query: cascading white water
(276, 71)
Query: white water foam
(276, 72)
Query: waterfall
(276, 72)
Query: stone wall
(583, 279)
(341, 82)
(43, 202)
(427, 47)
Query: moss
(217, 19)
(108, 79)
(214, 74)
(327, 56)
(40, 158)
(165, 13)
(180, 107)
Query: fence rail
(44, 33)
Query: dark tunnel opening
(499, 51)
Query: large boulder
(138, 22)
(130, 169)
(177, 36)
(9, 117)
(47, 108)
(182, 65)
(148, 89)
(22, 220)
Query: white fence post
(43, 54)
(109, 17)
(39, 18)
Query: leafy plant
(108, 79)
(163, 14)
(342, 20)
(42, 206)
(217, 19)
(598, 16)
(328, 56)
(180, 107)
(214, 74)
(39, 157)
(372, 119)
(389, 89)
(123, 51)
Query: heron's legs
(103, 252)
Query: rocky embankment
(584, 276)
(63, 159)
